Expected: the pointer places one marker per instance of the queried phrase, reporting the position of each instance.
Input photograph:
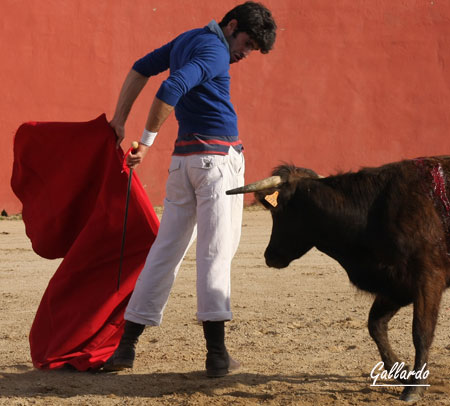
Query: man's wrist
(148, 137)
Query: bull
(388, 227)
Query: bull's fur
(386, 226)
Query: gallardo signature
(397, 372)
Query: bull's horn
(267, 183)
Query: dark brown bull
(389, 229)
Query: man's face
(240, 46)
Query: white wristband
(148, 137)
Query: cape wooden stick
(134, 146)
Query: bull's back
(406, 229)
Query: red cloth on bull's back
(70, 180)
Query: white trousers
(195, 205)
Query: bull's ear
(268, 198)
(272, 199)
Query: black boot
(124, 355)
(218, 362)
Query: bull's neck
(339, 206)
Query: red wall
(350, 83)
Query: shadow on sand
(66, 383)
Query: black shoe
(123, 357)
(217, 370)
(218, 361)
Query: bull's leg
(380, 314)
(426, 310)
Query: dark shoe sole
(220, 372)
(117, 365)
(216, 373)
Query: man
(207, 160)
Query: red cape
(69, 179)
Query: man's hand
(119, 129)
(136, 157)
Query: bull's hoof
(412, 394)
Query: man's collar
(215, 28)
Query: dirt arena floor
(300, 334)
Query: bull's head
(281, 194)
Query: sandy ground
(300, 334)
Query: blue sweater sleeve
(155, 62)
(207, 62)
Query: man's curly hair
(255, 20)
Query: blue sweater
(198, 87)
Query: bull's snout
(275, 260)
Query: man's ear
(229, 29)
